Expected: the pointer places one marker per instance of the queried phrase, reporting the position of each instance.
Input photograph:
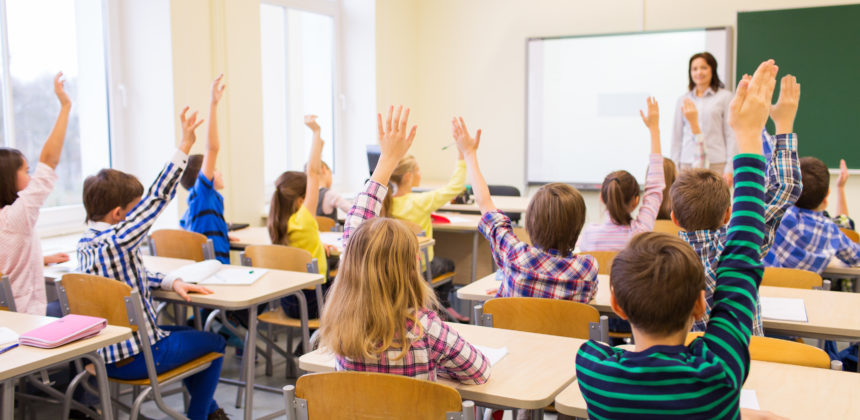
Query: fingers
(388, 120)
(463, 126)
(379, 125)
(412, 135)
(843, 168)
(199, 123)
(182, 115)
(740, 95)
(405, 120)
(182, 293)
(642, 114)
(396, 123)
(478, 138)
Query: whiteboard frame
(729, 82)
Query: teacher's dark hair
(712, 63)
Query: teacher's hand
(691, 114)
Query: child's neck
(645, 341)
(403, 190)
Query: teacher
(701, 137)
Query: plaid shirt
(528, 271)
(435, 347)
(113, 251)
(807, 240)
(782, 191)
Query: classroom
(427, 209)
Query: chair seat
(280, 318)
(166, 376)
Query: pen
(5, 349)
(251, 272)
(452, 144)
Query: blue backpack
(848, 357)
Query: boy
(205, 214)
(554, 219)
(657, 284)
(701, 199)
(807, 238)
(118, 220)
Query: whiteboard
(584, 95)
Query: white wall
(447, 57)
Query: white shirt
(720, 144)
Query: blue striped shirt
(205, 215)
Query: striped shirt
(610, 236)
(704, 379)
(528, 271)
(113, 251)
(435, 348)
(205, 215)
(782, 191)
(808, 240)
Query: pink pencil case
(63, 331)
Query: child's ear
(614, 304)
(727, 216)
(675, 219)
(117, 214)
(699, 307)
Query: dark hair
(289, 187)
(669, 174)
(189, 176)
(700, 198)
(107, 190)
(11, 160)
(712, 63)
(656, 281)
(816, 183)
(618, 189)
(555, 217)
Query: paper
(749, 399)
(235, 276)
(493, 354)
(783, 309)
(7, 336)
(458, 219)
(334, 239)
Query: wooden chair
(326, 224)
(7, 299)
(428, 274)
(851, 234)
(175, 243)
(365, 395)
(790, 277)
(542, 316)
(85, 294)
(288, 258)
(604, 260)
(776, 350)
(523, 235)
(667, 226)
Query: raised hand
(843, 174)
(394, 142)
(60, 91)
(691, 114)
(652, 120)
(750, 107)
(783, 112)
(218, 89)
(466, 144)
(189, 124)
(311, 122)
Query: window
(298, 78)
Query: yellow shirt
(304, 232)
(416, 207)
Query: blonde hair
(378, 288)
(405, 166)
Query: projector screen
(584, 96)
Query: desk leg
(7, 404)
(104, 388)
(475, 236)
(248, 359)
(303, 314)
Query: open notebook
(213, 272)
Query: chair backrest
(543, 316)
(326, 224)
(279, 257)
(523, 235)
(7, 299)
(790, 277)
(175, 243)
(851, 234)
(776, 350)
(364, 395)
(604, 260)
(667, 226)
(504, 190)
(85, 294)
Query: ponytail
(618, 189)
(289, 187)
(405, 166)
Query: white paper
(457, 219)
(7, 336)
(195, 273)
(493, 354)
(334, 239)
(783, 309)
(749, 399)
(236, 276)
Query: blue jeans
(181, 346)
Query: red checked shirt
(528, 271)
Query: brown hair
(11, 160)
(712, 63)
(618, 189)
(405, 166)
(107, 190)
(289, 187)
(555, 217)
(665, 212)
(378, 288)
(656, 281)
(816, 183)
(700, 198)
(192, 169)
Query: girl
(669, 175)
(378, 316)
(20, 198)
(291, 217)
(620, 194)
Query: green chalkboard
(821, 46)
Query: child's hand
(466, 144)
(843, 174)
(652, 121)
(394, 141)
(59, 90)
(311, 122)
(785, 109)
(183, 289)
(188, 126)
(217, 89)
(691, 114)
(56, 258)
(750, 107)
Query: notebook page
(7, 336)
(749, 399)
(783, 309)
(493, 354)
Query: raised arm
(468, 147)
(54, 145)
(841, 203)
(314, 171)
(655, 182)
(691, 115)
(212, 141)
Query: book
(213, 272)
(63, 331)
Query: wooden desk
(795, 392)
(837, 270)
(506, 204)
(536, 368)
(24, 360)
(477, 256)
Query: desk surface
(836, 269)
(24, 359)
(795, 392)
(506, 204)
(536, 368)
(459, 223)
